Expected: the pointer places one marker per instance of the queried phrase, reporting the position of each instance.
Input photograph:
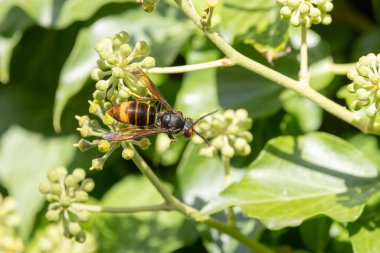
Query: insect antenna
(204, 116)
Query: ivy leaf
(141, 232)
(295, 178)
(25, 159)
(163, 37)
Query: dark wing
(145, 80)
(133, 134)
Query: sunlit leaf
(25, 158)
(295, 178)
(141, 232)
(364, 234)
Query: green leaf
(369, 145)
(25, 158)
(364, 234)
(166, 38)
(6, 48)
(141, 232)
(295, 178)
(240, 88)
(256, 23)
(315, 233)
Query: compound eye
(188, 132)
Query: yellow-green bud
(148, 6)
(94, 107)
(314, 12)
(246, 151)
(81, 196)
(97, 164)
(352, 74)
(82, 120)
(117, 41)
(208, 151)
(357, 105)
(74, 228)
(99, 95)
(70, 181)
(148, 62)
(375, 79)
(371, 111)
(112, 59)
(84, 145)
(228, 151)
(351, 88)
(328, 6)
(108, 120)
(326, 19)
(125, 36)
(79, 174)
(80, 237)
(285, 12)
(97, 74)
(117, 72)
(125, 50)
(102, 85)
(88, 184)
(295, 21)
(53, 176)
(144, 143)
(293, 3)
(104, 146)
(84, 131)
(219, 141)
(246, 135)
(128, 153)
(304, 8)
(142, 48)
(362, 94)
(52, 215)
(55, 189)
(44, 187)
(212, 3)
(83, 215)
(240, 143)
(102, 64)
(52, 197)
(65, 201)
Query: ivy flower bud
(65, 201)
(88, 185)
(128, 153)
(70, 181)
(81, 196)
(98, 74)
(83, 215)
(148, 62)
(80, 237)
(104, 146)
(74, 228)
(228, 151)
(53, 176)
(79, 174)
(44, 187)
(97, 164)
(84, 145)
(142, 48)
(52, 215)
(117, 73)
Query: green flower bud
(125, 50)
(246, 151)
(99, 95)
(352, 74)
(102, 85)
(240, 144)
(70, 181)
(52, 198)
(371, 111)
(83, 120)
(97, 74)
(375, 79)
(97, 164)
(74, 228)
(56, 189)
(219, 141)
(304, 8)
(52, 215)
(125, 36)
(208, 151)
(128, 153)
(228, 151)
(124, 93)
(44, 187)
(285, 12)
(81, 196)
(94, 107)
(365, 61)
(314, 12)
(112, 59)
(295, 21)
(357, 105)
(246, 135)
(328, 6)
(79, 174)
(53, 176)
(364, 71)
(212, 3)
(326, 19)
(103, 65)
(117, 41)
(84, 145)
(293, 3)
(80, 237)
(144, 143)
(148, 62)
(117, 72)
(142, 48)
(88, 184)
(84, 131)
(65, 201)
(83, 215)
(378, 94)
(104, 146)
(362, 94)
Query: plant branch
(303, 90)
(106, 209)
(193, 67)
(231, 219)
(341, 69)
(304, 70)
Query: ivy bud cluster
(114, 84)
(63, 191)
(306, 12)
(51, 239)
(366, 84)
(148, 5)
(227, 132)
(9, 221)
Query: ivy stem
(231, 219)
(341, 69)
(289, 83)
(304, 70)
(106, 209)
(175, 204)
(192, 67)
